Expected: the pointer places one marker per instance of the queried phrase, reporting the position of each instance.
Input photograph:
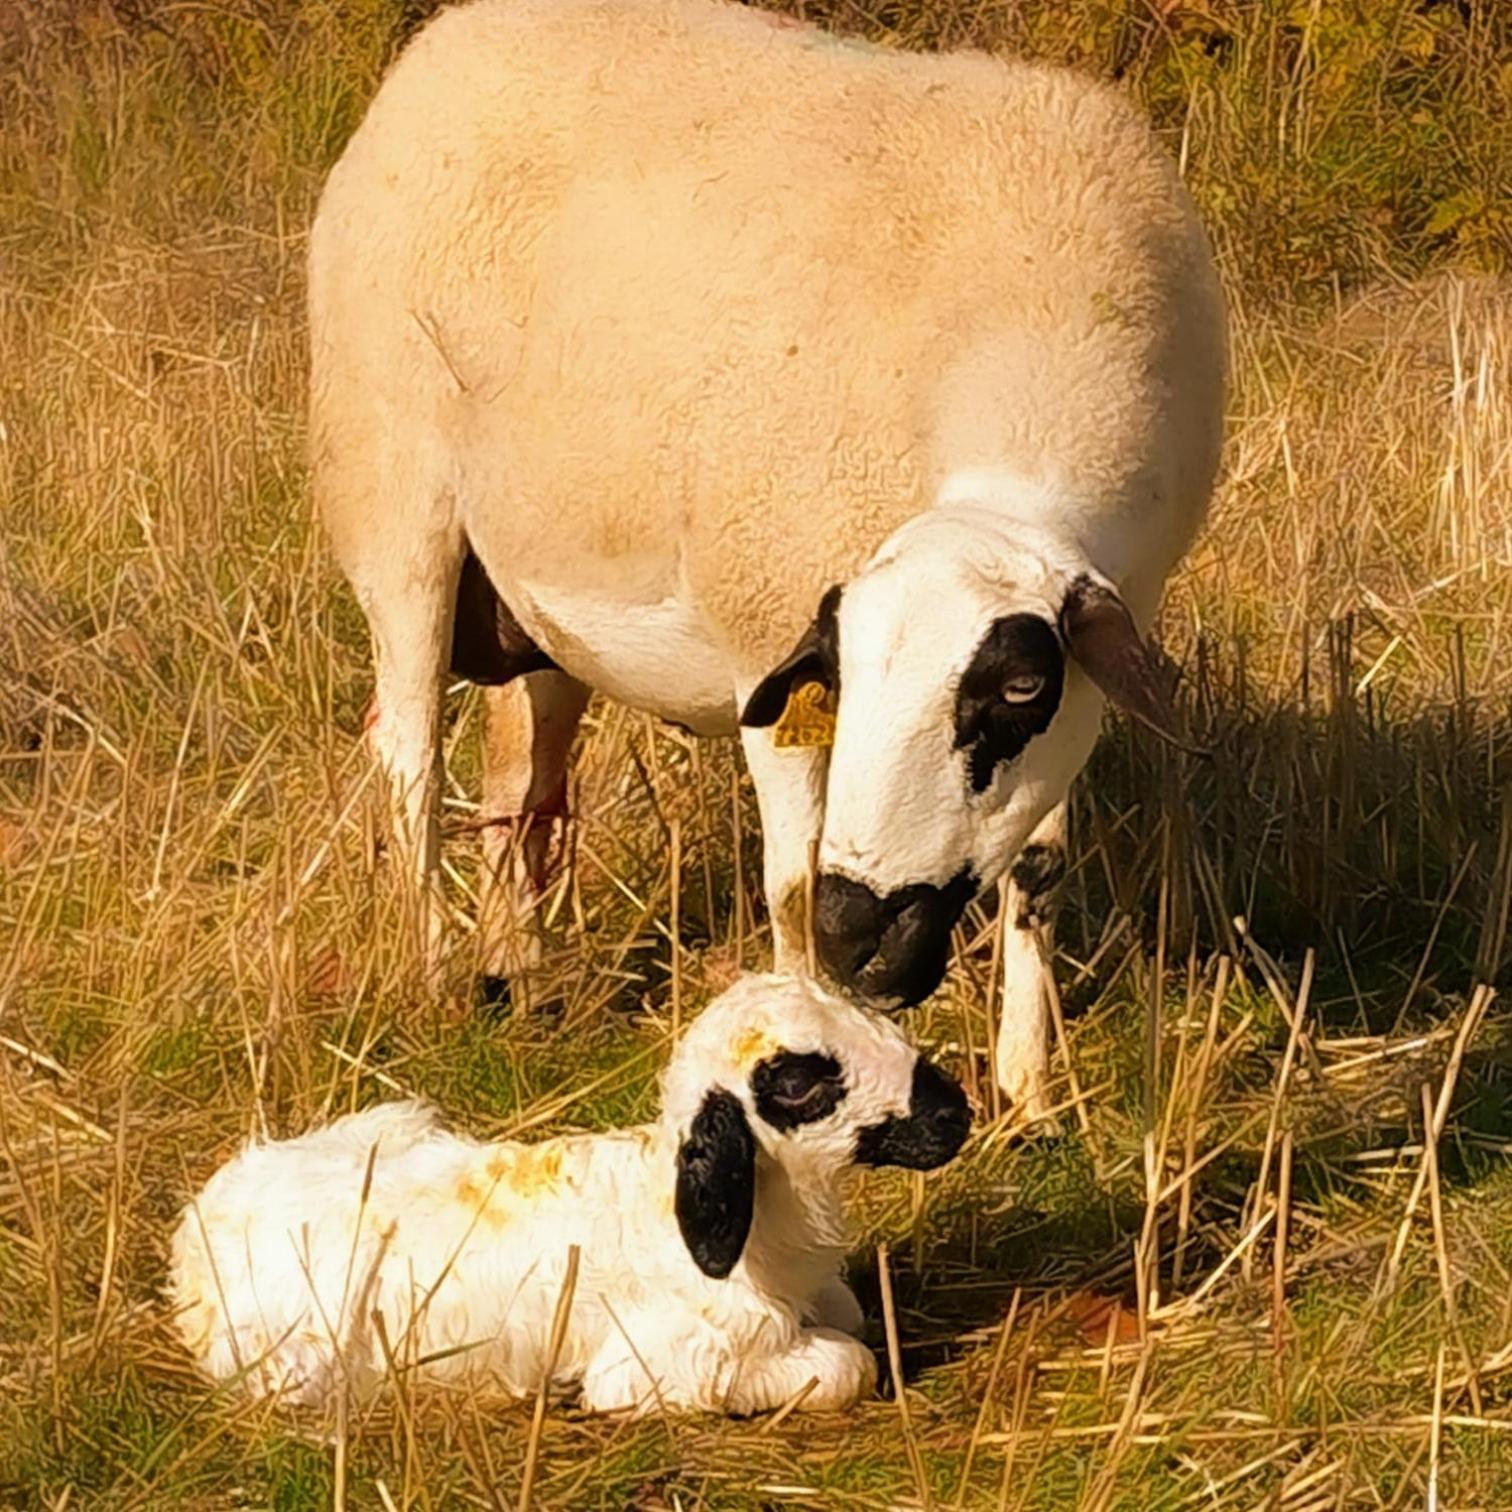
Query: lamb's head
(776, 1067)
(965, 660)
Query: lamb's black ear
(1100, 633)
(716, 1184)
(816, 658)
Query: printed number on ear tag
(809, 718)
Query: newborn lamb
(710, 1241)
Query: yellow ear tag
(808, 720)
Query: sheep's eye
(1007, 695)
(792, 1089)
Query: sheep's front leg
(790, 792)
(1021, 1061)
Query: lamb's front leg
(834, 1305)
(661, 1363)
(660, 1359)
(845, 1371)
(790, 791)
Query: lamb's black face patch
(1020, 654)
(934, 1128)
(792, 1089)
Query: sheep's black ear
(1101, 636)
(716, 1184)
(816, 658)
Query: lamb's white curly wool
(710, 1241)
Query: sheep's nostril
(849, 922)
(891, 951)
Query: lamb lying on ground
(710, 1241)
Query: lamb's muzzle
(931, 1133)
(711, 1241)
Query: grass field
(1269, 1262)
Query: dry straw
(201, 933)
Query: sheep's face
(967, 663)
(777, 1067)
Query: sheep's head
(776, 1066)
(966, 660)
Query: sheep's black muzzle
(889, 951)
(935, 1127)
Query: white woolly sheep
(642, 327)
(710, 1241)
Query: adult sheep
(646, 333)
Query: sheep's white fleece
(282, 1261)
(678, 313)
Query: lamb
(711, 1240)
(646, 333)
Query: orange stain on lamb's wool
(537, 1172)
(199, 1316)
(753, 1045)
(507, 1178)
(481, 1193)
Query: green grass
(195, 939)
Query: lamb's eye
(1022, 689)
(792, 1088)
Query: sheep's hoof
(497, 997)
(494, 996)
(1036, 1124)
(1026, 1102)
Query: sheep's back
(734, 298)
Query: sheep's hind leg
(1021, 1059)
(410, 622)
(528, 730)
